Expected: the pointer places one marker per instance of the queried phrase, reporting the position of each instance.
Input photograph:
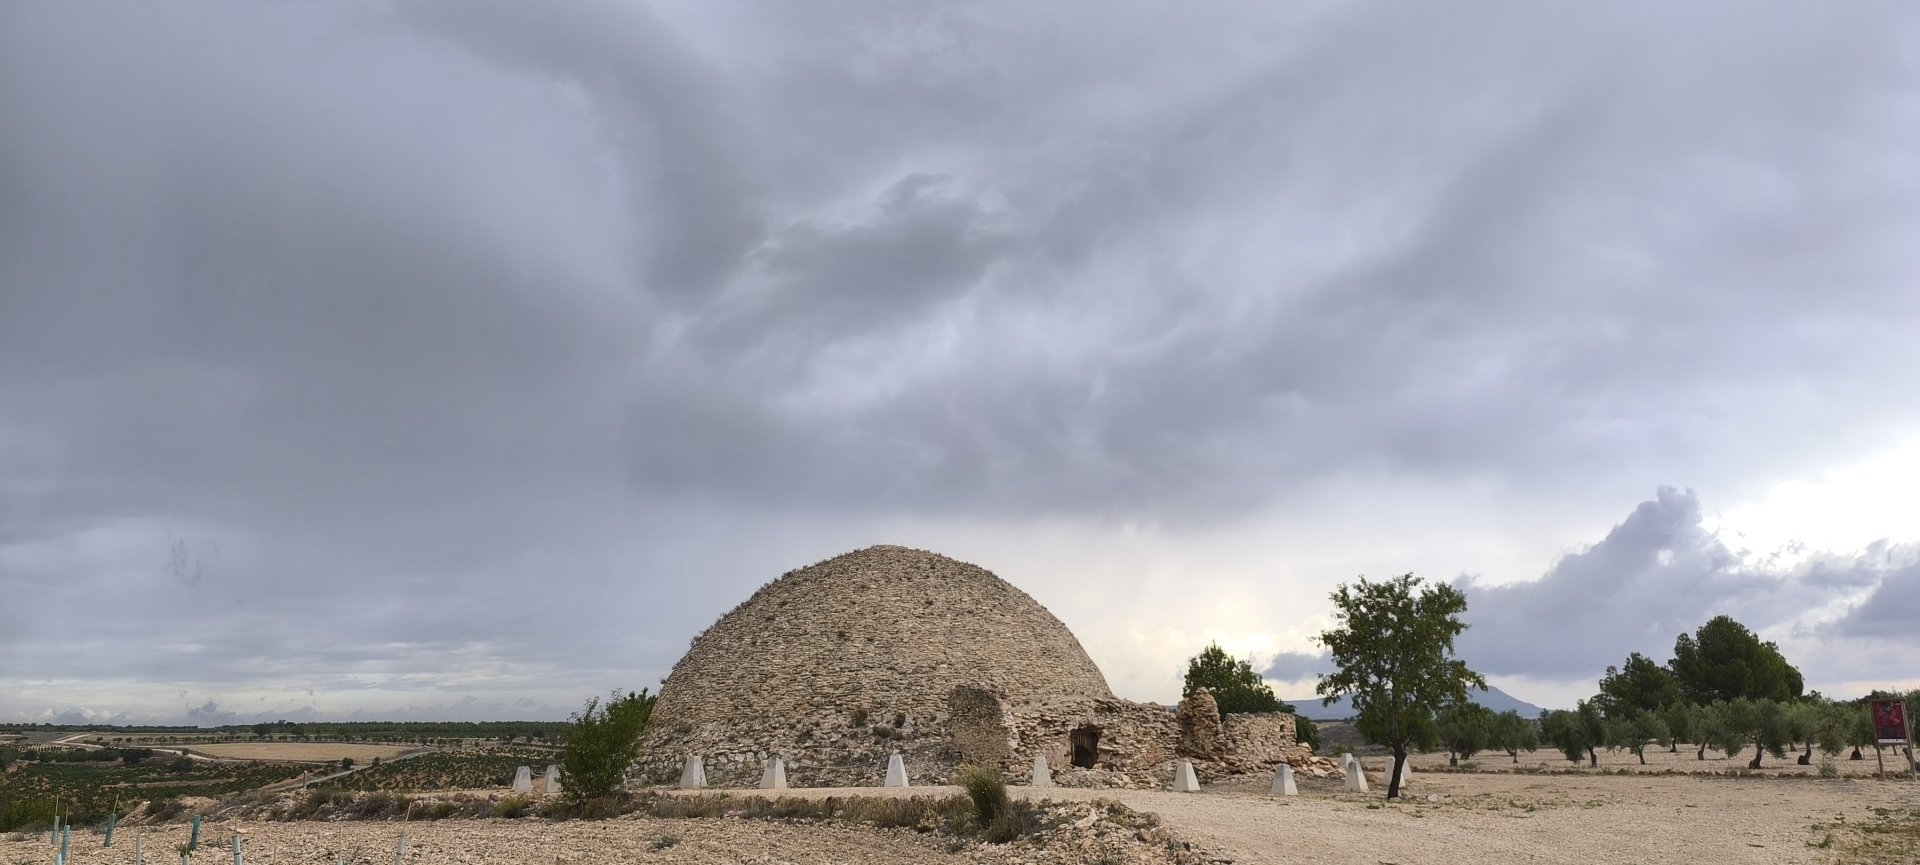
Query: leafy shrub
(601, 743)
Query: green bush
(986, 788)
(601, 742)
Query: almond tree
(1392, 648)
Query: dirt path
(1572, 819)
(1579, 820)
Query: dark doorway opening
(1086, 746)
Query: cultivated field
(313, 752)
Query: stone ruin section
(837, 665)
(1117, 743)
(887, 650)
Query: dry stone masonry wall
(892, 650)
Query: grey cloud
(508, 306)
(1655, 575)
(1292, 666)
(1660, 573)
(1892, 610)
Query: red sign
(1889, 722)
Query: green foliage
(1679, 718)
(1639, 685)
(1761, 723)
(601, 743)
(1510, 732)
(89, 789)
(512, 807)
(1725, 661)
(1305, 731)
(1465, 730)
(1234, 684)
(1576, 734)
(1392, 648)
(1635, 733)
(986, 789)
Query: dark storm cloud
(1892, 611)
(503, 305)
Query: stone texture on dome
(837, 665)
(886, 631)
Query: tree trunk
(1515, 754)
(1856, 754)
(1453, 760)
(1594, 756)
(1757, 754)
(1643, 756)
(1393, 771)
(1702, 755)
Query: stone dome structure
(880, 651)
(884, 632)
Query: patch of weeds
(1892, 837)
(987, 790)
(666, 839)
(512, 807)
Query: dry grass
(1892, 836)
(312, 752)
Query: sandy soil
(319, 752)
(1562, 818)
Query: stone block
(694, 775)
(1356, 779)
(1202, 735)
(1184, 780)
(896, 771)
(1042, 776)
(775, 775)
(551, 783)
(1283, 782)
(523, 780)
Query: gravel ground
(1447, 818)
(1575, 819)
(505, 842)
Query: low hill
(1492, 698)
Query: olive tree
(1510, 732)
(1578, 734)
(1392, 649)
(1465, 729)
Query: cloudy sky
(464, 359)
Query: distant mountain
(1493, 698)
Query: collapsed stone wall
(1133, 744)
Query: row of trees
(1724, 688)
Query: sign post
(1890, 728)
